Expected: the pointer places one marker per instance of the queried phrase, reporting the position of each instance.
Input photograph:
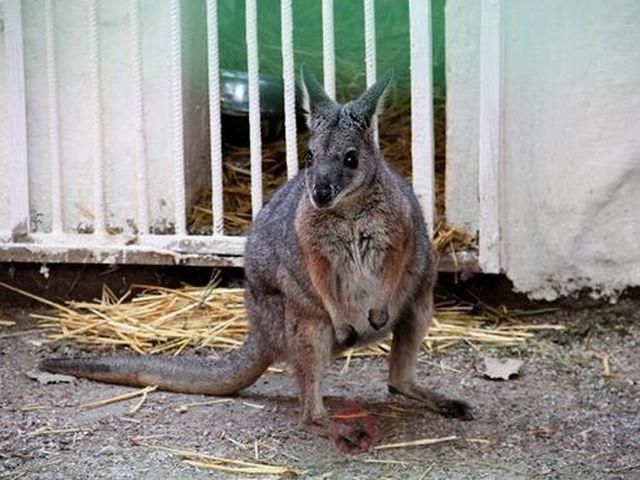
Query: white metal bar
(138, 105)
(328, 49)
(126, 249)
(422, 142)
(53, 120)
(17, 121)
(254, 106)
(177, 119)
(370, 52)
(490, 134)
(215, 129)
(118, 255)
(288, 78)
(223, 245)
(96, 116)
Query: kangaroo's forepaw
(378, 317)
(346, 335)
(455, 409)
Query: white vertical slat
(96, 118)
(177, 119)
(490, 134)
(17, 122)
(328, 49)
(215, 128)
(370, 52)
(138, 106)
(422, 141)
(254, 106)
(53, 120)
(288, 78)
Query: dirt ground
(561, 418)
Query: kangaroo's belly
(359, 292)
(358, 287)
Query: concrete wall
(570, 156)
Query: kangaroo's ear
(364, 108)
(317, 102)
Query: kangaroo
(339, 257)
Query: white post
(254, 106)
(178, 131)
(490, 134)
(138, 105)
(215, 129)
(53, 120)
(96, 118)
(17, 127)
(370, 52)
(288, 79)
(328, 49)
(422, 141)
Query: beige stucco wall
(570, 157)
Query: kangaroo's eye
(308, 158)
(351, 160)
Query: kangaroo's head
(342, 156)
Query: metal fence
(20, 241)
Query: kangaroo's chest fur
(356, 248)
(356, 243)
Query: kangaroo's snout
(322, 195)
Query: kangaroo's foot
(314, 413)
(446, 407)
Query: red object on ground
(353, 429)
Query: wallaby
(339, 257)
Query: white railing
(61, 244)
(422, 149)
(53, 120)
(10, 12)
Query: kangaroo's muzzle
(322, 195)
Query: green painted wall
(392, 32)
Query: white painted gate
(95, 166)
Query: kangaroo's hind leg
(407, 338)
(310, 351)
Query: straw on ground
(159, 319)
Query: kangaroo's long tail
(232, 372)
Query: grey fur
(320, 278)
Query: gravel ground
(561, 418)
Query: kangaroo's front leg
(391, 299)
(407, 338)
(320, 273)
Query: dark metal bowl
(234, 105)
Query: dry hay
(229, 465)
(160, 319)
(395, 142)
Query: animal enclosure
(115, 133)
(118, 118)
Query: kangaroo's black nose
(321, 195)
